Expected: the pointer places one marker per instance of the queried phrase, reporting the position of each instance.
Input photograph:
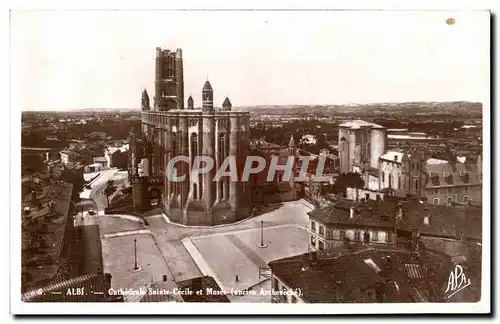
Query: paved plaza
(118, 253)
(187, 252)
(226, 255)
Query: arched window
(343, 144)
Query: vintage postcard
(331, 161)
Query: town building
(101, 160)
(117, 156)
(360, 143)
(46, 231)
(280, 186)
(365, 275)
(412, 173)
(68, 156)
(169, 130)
(435, 180)
(453, 182)
(395, 222)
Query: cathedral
(169, 129)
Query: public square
(227, 255)
(182, 253)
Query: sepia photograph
(239, 159)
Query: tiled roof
(452, 174)
(381, 213)
(95, 287)
(43, 230)
(449, 221)
(335, 278)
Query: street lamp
(262, 245)
(136, 268)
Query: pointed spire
(145, 100)
(292, 141)
(190, 102)
(227, 104)
(207, 86)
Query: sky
(64, 60)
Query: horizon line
(270, 105)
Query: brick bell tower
(207, 96)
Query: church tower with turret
(207, 95)
(170, 131)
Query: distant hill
(407, 108)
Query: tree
(109, 190)
(347, 180)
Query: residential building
(410, 173)
(68, 156)
(46, 232)
(365, 275)
(113, 155)
(458, 183)
(393, 222)
(102, 160)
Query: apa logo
(457, 281)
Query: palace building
(168, 129)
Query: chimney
(351, 212)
